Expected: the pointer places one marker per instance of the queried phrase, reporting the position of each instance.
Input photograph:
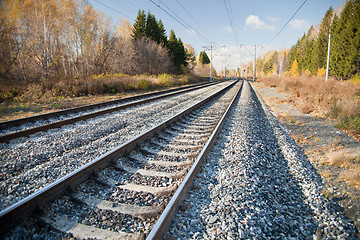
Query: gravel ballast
(257, 184)
(28, 164)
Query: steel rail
(166, 217)
(27, 132)
(20, 121)
(29, 204)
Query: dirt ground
(335, 154)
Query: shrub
(333, 98)
(183, 69)
(184, 80)
(355, 79)
(165, 80)
(8, 95)
(350, 123)
(144, 84)
(271, 81)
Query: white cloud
(299, 24)
(254, 22)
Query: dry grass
(326, 174)
(271, 81)
(15, 110)
(349, 165)
(334, 99)
(93, 85)
(351, 177)
(338, 158)
(20, 101)
(300, 139)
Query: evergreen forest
(309, 55)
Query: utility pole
(254, 64)
(211, 61)
(328, 57)
(240, 73)
(211, 57)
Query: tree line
(48, 40)
(309, 55)
(146, 26)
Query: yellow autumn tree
(274, 69)
(124, 29)
(321, 72)
(294, 71)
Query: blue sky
(255, 22)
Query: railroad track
(121, 194)
(26, 126)
(29, 164)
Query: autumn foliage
(57, 46)
(339, 100)
(308, 56)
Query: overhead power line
(193, 18)
(233, 19)
(131, 2)
(122, 5)
(181, 21)
(114, 10)
(231, 24)
(287, 22)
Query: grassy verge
(339, 100)
(19, 100)
(93, 85)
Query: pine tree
(152, 30)
(162, 32)
(321, 43)
(177, 50)
(307, 64)
(292, 56)
(355, 50)
(268, 66)
(345, 46)
(203, 58)
(139, 26)
(336, 49)
(352, 37)
(172, 46)
(300, 52)
(181, 53)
